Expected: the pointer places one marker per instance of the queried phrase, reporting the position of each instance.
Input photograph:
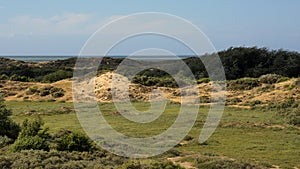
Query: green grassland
(259, 137)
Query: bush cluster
(270, 78)
(243, 84)
(155, 81)
(212, 163)
(32, 137)
(71, 141)
(47, 90)
(56, 76)
(8, 128)
(289, 110)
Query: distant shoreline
(38, 58)
(54, 58)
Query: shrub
(4, 77)
(57, 92)
(44, 93)
(255, 102)
(30, 143)
(297, 82)
(16, 77)
(74, 142)
(267, 88)
(203, 80)
(7, 126)
(32, 90)
(212, 163)
(56, 76)
(294, 117)
(235, 100)
(282, 79)
(32, 136)
(32, 128)
(4, 141)
(269, 78)
(243, 84)
(54, 91)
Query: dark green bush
(33, 128)
(297, 82)
(32, 136)
(16, 77)
(269, 78)
(30, 143)
(4, 141)
(60, 160)
(243, 84)
(74, 142)
(4, 77)
(32, 90)
(54, 91)
(56, 76)
(203, 80)
(283, 79)
(211, 163)
(44, 93)
(235, 100)
(57, 92)
(255, 102)
(7, 126)
(294, 117)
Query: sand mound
(122, 89)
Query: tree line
(238, 62)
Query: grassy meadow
(256, 136)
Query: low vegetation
(237, 142)
(265, 134)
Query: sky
(62, 27)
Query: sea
(38, 58)
(52, 58)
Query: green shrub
(30, 143)
(7, 126)
(235, 100)
(16, 77)
(4, 77)
(205, 99)
(282, 79)
(56, 76)
(32, 90)
(32, 136)
(54, 91)
(255, 102)
(74, 142)
(211, 163)
(155, 81)
(163, 165)
(33, 128)
(243, 84)
(57, 92)
(289, 110)
(289, 103)
(203, 80)
(4, 141)
(60, 160)
(44, 93)
(294, 117)
(269, 78)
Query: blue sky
(61, 27)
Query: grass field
(254, 136)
